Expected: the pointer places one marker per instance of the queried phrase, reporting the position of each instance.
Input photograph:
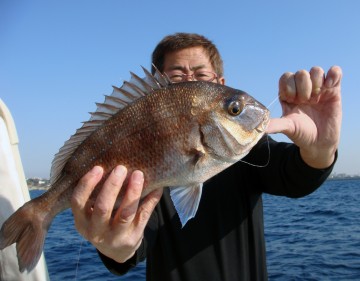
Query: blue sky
(57, 58)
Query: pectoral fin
(186, 201)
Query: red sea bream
(179, 135)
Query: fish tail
(27, 227)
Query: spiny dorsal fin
(119, 99)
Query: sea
(312, 238)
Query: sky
(57, 58)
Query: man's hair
(180, 41)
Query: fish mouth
(263, 124)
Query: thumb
(278, 125)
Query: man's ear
(221, 80)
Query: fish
(178, 134)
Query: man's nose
(188, 77)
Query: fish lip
(263, 124)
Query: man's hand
(311, 104)
(117, 237)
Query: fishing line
(274, 100)
(268, 161)
(78, 260)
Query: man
(225, 240)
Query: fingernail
(138, 177)
(329, 82)
(120, 170)
(96, 170)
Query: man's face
(189, 61)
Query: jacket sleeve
(283, 171)
(122, 268)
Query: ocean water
(311, 238)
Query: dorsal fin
(119, 99)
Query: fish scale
(179, 135)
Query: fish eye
(235, 108)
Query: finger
(333, 77)
(303, 86)
(84, 188)
(317, 77)
(81, 195)
(131, 199)
(106, 199)
(287, 87)
(147, 207)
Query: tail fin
(27, 227)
